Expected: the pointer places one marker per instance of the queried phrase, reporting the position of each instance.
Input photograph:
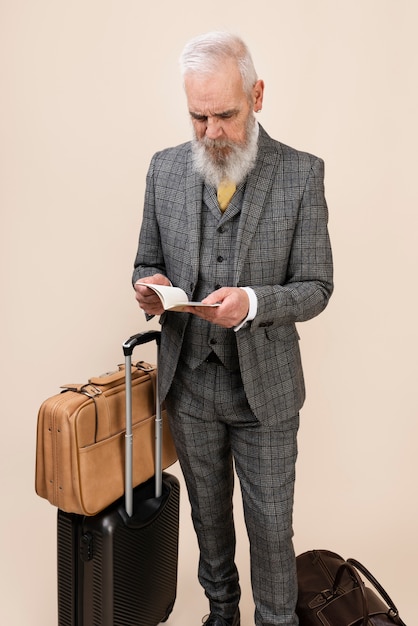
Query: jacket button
(220, 259)
(213, 341)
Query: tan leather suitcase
(80, 454)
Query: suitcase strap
(97, 386)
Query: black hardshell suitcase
(119, 567)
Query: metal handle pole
(128, 439)
(128, 348)
(158, 442)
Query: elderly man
(238, 219)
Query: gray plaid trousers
(214, 428)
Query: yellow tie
(226, 190)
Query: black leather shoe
(217, 620)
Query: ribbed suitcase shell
(119, 571)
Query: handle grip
(349, 567)
(139, 339)
(393, 611)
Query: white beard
(214, 165)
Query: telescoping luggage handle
(128, 348)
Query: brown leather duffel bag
(332, 593)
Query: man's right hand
(146, 298)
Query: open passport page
(172, 298)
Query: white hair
(205, 53)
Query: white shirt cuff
(252, 311)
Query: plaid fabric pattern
(248, 416)
(282, 251)
(213, 430)
(219, 234)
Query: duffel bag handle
(393, 612)
(353, 573)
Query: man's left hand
(234, 306)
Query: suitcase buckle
(143, 366)
(90, 391)
(321, 598)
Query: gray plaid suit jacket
(282, 251)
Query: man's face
(220, 110)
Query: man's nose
(213, 128)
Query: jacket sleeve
(309, 277)
(149, 258)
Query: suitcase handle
(128, 347)
(139, 339)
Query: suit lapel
(256, 190)
(193, 208)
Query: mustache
(218, 149)
(216, 144)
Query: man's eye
(200, 118)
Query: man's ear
(258, 92)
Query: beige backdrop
(90, 89)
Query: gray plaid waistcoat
(217, 250)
